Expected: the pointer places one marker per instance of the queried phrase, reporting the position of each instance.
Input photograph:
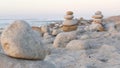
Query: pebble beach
(71, 43)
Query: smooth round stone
(98, 13)
(75, 45)
(20, 41)
(69, 13)
(62, 39)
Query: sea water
(4, 23)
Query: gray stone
(20, 41)
(62, 39)
(75, 45)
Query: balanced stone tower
(97, 20)
(69, 24)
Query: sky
(55, 9)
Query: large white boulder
(63, 38)
(20, 41)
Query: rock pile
(69, 24)
(97, 22)
(71, 47)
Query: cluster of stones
(98, 21)
(69, 24)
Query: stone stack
(69, 24)
(98, 21)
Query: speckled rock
(63, 38)
(75, 45)
(20, 41)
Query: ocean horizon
(32, 22)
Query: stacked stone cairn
(97, 20)
(69, 24)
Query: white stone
(56, 31)
(75, 45)
(94, 27)
(63, 38)
(44, 29)
(98, 13)
(20, 41)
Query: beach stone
(83, 22)
(20, 41)
(98, 13)
(45, 29)
(56, 32)
(75, 45)
(94, 27)
(38, 29)
(8, 62)
(82, 45)
(63, 38)
(69, 13)
(69, 17)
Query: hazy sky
(55, 9)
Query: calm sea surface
(4, 23)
